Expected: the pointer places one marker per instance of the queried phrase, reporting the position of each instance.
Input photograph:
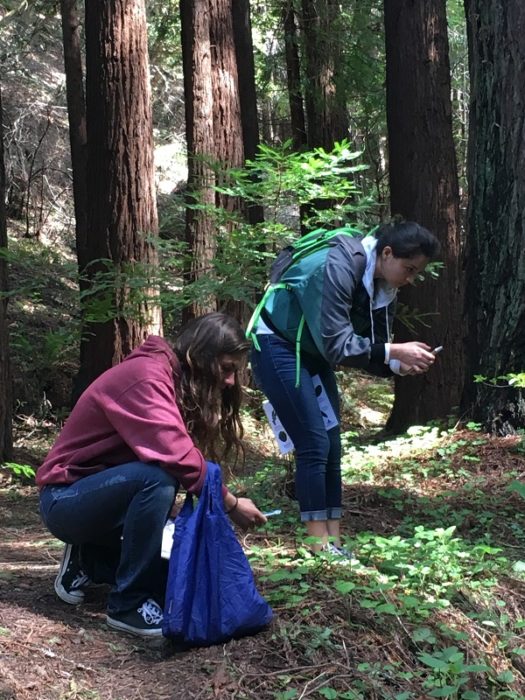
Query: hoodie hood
(155, 345)
(381, 294)
(152, 345)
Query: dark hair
(211, 412)
(407, 239)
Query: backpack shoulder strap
(306, 245)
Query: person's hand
(246, 514)
(414, 355)
(411, 369)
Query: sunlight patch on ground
(418, 439)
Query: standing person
(109, 482)
(334, 306)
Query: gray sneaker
(71, 579)
(144, 621)
(341, 555)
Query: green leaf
(432, 661)
(470, 695)
(517, 487)
(475, 668)
(344, 586)
(423, 634)
(288, 694)
(388, 608)
(505, 677)
(328, 693)
(444, 692)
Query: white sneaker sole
(72, 597)
(136, 631)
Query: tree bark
(213, 124)
(242, 34)
(6, 439)
(424, 188)
(495, 296)
(198, 94)
(227, 125)
(122, 212)
(76, 109)
(326, 109)
(293, 76)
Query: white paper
(167, 539)
(329, 418)
(281, 436)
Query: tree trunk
(227, 125)
(293, 76)
(198, 94)
(213, 124)
(6, 443)
(227, 122)
(326, 109)
(424, 188)
(495, 287)
(76, 109)
(325, 90)
(242, 34)
(122, 212)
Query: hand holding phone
(437, 350)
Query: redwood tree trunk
(227, 125)
(424, 188)
(198, 94)
(293, 76)
(326, 109)
(76, 109)
(122, 211)
(213, 124)
(242, 34)
(6, 443)
(496, 227)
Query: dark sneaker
(145, 621)
(71, 579)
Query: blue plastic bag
(210, 595)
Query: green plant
(432, 563)
(449, 673)
(278, 179)
(20, 470)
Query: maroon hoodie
(129, 413)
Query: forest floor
(433, 606)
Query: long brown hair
(211, 411)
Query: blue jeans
(117, 517)
(317, 451)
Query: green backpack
(306, 245)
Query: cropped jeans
(317, 451)
(117, 517)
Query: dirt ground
(51, 650)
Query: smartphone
(269, 514)
(437, 350)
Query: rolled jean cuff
(334, 513)
(318, 515)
